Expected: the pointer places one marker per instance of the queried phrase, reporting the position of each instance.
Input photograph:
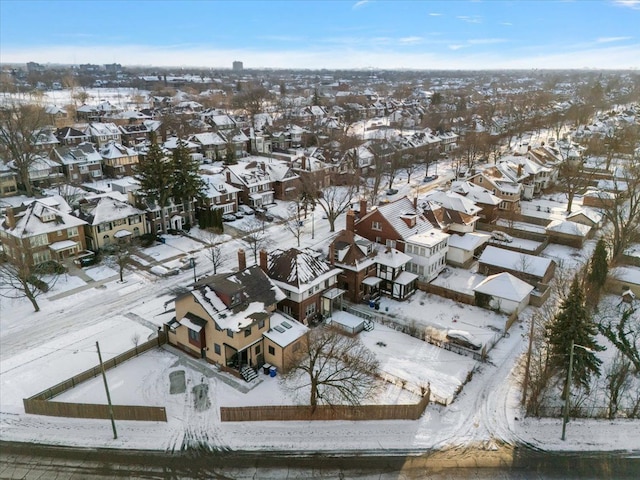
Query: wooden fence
(324, 412)
(447, 293)
(38, 404)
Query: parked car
(239, 215)
(430, 178)
(501, 236)
(228, 217)
(392, 191)
(246, 209)
(463, 339)
(264, 215)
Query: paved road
(23, 461)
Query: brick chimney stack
(415, 203)
(351, 221)
(363, 207)
(304, 162)
(11, 218)
(242, 260)
(263, 260)
(332, 253)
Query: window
(258, 349)
(229, 333)
(247, 332)
(72, 232)
(261, 324)
(376, 226)
(217, 327)
(272, 351)
(310, 309)
(59, 233)
(38, 240)
(217, 349)
(194, 337)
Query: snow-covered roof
(569, 228)
(469, 241)
(453, 201)
(516, 261)
(504, 285)
(429, 238)
(296, 270)
(395, 211)
(627, 274)
(475, 192)
(283, 331)
(107, 209)
(39, 219)
(392, 258)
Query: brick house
(307, 281)
(255, 184)
(80, 163)
(488, 202)
(391, 224)
(355, 256)
(41, 233)
(118, 159)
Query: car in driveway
(430, 178)
(262, 214)
(238, 215)
(501, 236)
(392, 191)
(246, 209)
(463, 339)
(228, 217)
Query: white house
(507, 293)
(428, 252)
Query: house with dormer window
(308, 282)
(39, 233)
(230, 320)
(254, 182)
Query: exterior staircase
(368, 325)
(248, 373)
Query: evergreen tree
(154, 172)
(573, 323)
(599, 266)
(187, 182)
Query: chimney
(332, 253)
(415, 203)
(519, 169)
(228, 176)
(363, 207)
(304, 162)
(263, 260)
(242, 260)
(11, 218)
(351, 221)
(528, 148)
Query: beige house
(110, 222)
(228, 319)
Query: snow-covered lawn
(100, 272)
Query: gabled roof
(39, 218)
(116, 150)
(394, 213)
(298, 268)
(254, 294)
(106, 209)
(504, 285)
(475, 193)
(568, 228)
(453, 201)
(353, 251)
(515, 261)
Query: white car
(246, 209)
(464, 339)
(501, 236)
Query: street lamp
(565, 417)
(192, 264)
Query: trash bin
(272, 371)
(265, 368)
(372, 303)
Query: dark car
(392, 191)
(430, 178)
(264, 215)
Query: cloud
(410, 40)
(458, 56)
(470, 19)
(506, 24)
(435, 14)
(612, 39)
(360, 3)
(635, 4)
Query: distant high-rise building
(36, 67)
(237, 66)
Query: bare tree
(252, 101)
(623, 212)
(332, 368)
(19, 127)
(255, 239)
(574, 178)
(214, 251)
(335, 200)
(20, 280)
(618, 382)
(121, 258)
(294, 222)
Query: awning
(372, 281)
(122, 233)
(63, 245)
(193, 322)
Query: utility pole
(106, 387)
